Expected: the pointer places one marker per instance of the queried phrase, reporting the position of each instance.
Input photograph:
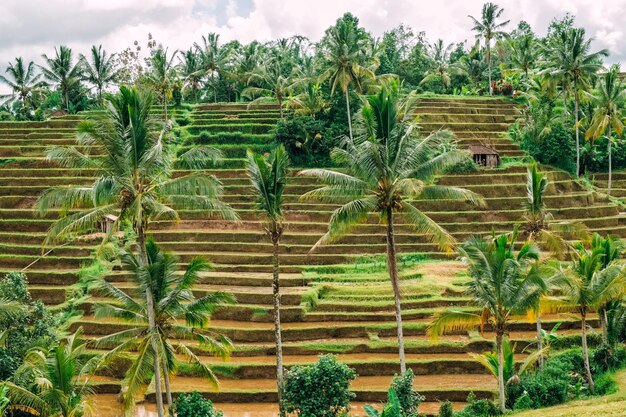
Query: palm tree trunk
(608, 188)
(280, 107)
(604, 324)
(576, 104)
(392, 266)
(168, 387)
(349, 116)
(501, 399)
(165, 105)
(539, 340)
(141, 240)
(277, 332)
(489, 66)
(583, 324)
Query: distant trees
(62, 71)
(99, 69)
(24, 82)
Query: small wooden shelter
(58, 113)
(107, 222)
(485, 156)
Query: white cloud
(33, 27)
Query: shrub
(557, 148)
(607, 358)
(304, 139)
(446, 410)
(523, 403)
(34, 325)
(605, 384)
(319, 390)
(478, 408)
(560, 380)
(408, 397)
(194, 405)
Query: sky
(29, 28)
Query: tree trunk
(392, 266)
(277, 331)
(604, 323)
(165, 105)
(280, 107)
(349, 116)
(501, 399)
(539, 340)
(583, 324)
(489, 66)
(608, 188)
(141, 238)
(168, 387)
(576, 103)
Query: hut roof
(482, 150)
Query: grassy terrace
(337, 299)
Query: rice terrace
(260, 212)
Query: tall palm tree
(162, 75)
(174, 302)
(586, 285)
(134, 181)
(269, 85)
(269, 179)
(55, 382)
(63, 72)
(388, 168)
(191, 70)
(575, 66)
(609, 100)
(442, 67)
(489, 29)
(212, 58)
(504, 284)
(472, 65)
(22, 81)
(309, 102)
(99, 69)
(524, 53)
(344, 58)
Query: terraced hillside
(334, 300)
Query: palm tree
(472, 65)
(489, 29)
(62, 71)
(174, 303)
(442, 68)
(271, 85)
(504, 284)
(212, 58)
(134, 181)
(586, 285)
(269, 179)
(99, 69)
(56, 382)
(162, 75)
(524, 53)
(612, 250)
(344, 55)
(388, 166)
(191, 70)
(309, 102)
(609, 101)
(22, 81)
(575, 66)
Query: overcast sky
(29, 28)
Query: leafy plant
(194, 405)
(409, 399)
(319, 390)
(446, 410)
(391, 409)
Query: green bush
(194, 405)
(560, 379)
(557, 148)
(607, 358)
(523, 403)
(319, 390)
(478, 408)
(446, 410)
(408, 397)
(304, 139)
(34, 325)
